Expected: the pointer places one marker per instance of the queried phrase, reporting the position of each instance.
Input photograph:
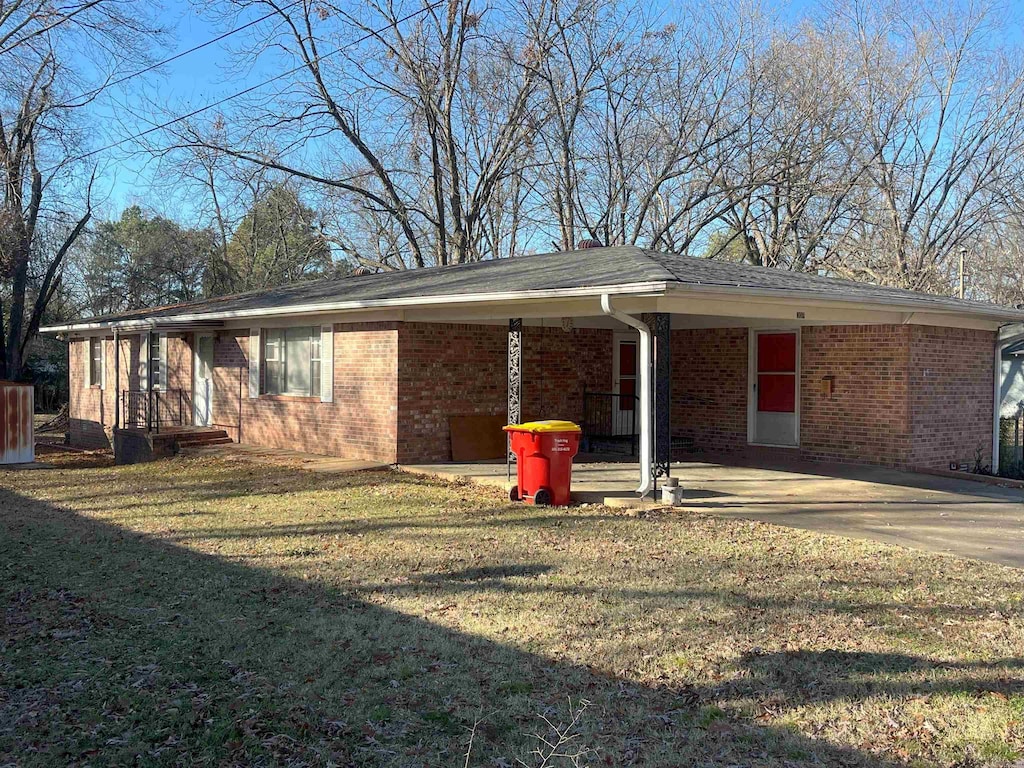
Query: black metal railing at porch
(610, 422)
(150, 410)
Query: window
(95, 362)
(291, 361)
(156, 368)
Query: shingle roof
(594, 267)
(694, 271)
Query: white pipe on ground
(646, 443)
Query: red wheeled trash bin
(544, 451)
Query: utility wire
(250, 89)
(182, 54)
(37, 32)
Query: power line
(182, 54)
(250, 89)
(36, 32)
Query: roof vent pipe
(646, 444)
(589, 244)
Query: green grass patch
(195, 611)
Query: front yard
(210, 611)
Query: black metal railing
(150, 410)
(610, 422)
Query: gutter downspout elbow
(646, 443)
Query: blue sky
(205, 76)
(192, 81)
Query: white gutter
(646, 444)
(1002, 342)
(142, 323)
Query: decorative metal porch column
(661, 330)
(515, 383)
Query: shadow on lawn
(120, 647)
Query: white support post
(646, 439)
(326, 363)
(254, 362)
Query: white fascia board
(668, 290)
(655, 288)
(933, 305)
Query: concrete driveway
(938, 514)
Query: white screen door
(775, 388)
(624, 407)
(202, 385)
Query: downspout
(997, 376)
(646, 444)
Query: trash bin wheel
(513, 494)
(542, 497)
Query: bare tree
(873, 139)
(941, 105)
(646, 118)
(40, 136)
(803, 156)
(418, 115)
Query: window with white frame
(95, 362)
(291, 361)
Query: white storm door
(202, 381)
(625, 382)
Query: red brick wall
(91, 410)
(360, 423)
(446, 370)
(950, 396)
(456, 370)
(865, 419)
(558, 367)
(709, 388)
(176, 406)
(902, 395)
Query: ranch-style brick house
(677, 355)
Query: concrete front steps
(133, 445)
(201, 439)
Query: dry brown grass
(195, 610)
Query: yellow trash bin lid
(547, 425)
